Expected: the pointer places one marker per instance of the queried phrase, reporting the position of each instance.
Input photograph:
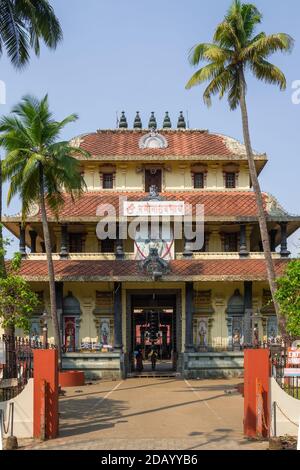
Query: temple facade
(198, 303)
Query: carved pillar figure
(189, 305)
(59, 294)
(243, 243)
(284, 252)
(64, 251)
(118, 316)
(248, 299)
(22, 246)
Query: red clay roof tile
(216, 203)
(92, 270)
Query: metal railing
(289, 383)
(18, 366)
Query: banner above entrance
(153, 208)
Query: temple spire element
(152, 121)
(123, 121)
(167, 121)
(137, 121)
(181, 121)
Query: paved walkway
(155, 413)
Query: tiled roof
(180, 143)
(216, 203)
(218, 270)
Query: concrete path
(155, 413)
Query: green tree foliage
(288, 297)
(23, 24)
(17, 302)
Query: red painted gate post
(256, 392)
(45, 396)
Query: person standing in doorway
(153, 357)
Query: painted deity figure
(202, 335)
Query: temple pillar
(187, 251)
(118, 316)
(22, 245)
(215, 240)
(243, 242)
(284, 252)
(248, 300)
(189, 307)
(59, 294)
(119, 250)
(64, 251)
(33, 237)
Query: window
(230, 242)
(108, 180)
(198, 180)
(107, 245)
(230, 180)
(76, 243)
(153, 177)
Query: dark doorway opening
(153, 332)
(153, 177)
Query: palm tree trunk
(50, 265)
(3, 273)
(259, 201)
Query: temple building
(197, 304)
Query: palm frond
(269, 73)
(209, 52)
(207, 72)
(266, 45)
(218, 85)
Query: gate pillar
(256, 392)
(45, 421)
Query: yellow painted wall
(221, 293)
(176, 176)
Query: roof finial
(167, 121)
(137, 121)
(123, 121)
(181, 121)
(152, 122)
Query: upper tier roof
(96, 271)
(226, 205)
(124, 143)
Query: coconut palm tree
(40, 169)
(235, 50)
(23, 24)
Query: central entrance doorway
(153, 332)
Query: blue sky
(132, 55)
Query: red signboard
(293, 356)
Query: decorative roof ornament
(154, 265)
(181, 121)
(167, 121)
(153, 194)
(137, 121)
(152, 122)
(123, 121)
(153, 140)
